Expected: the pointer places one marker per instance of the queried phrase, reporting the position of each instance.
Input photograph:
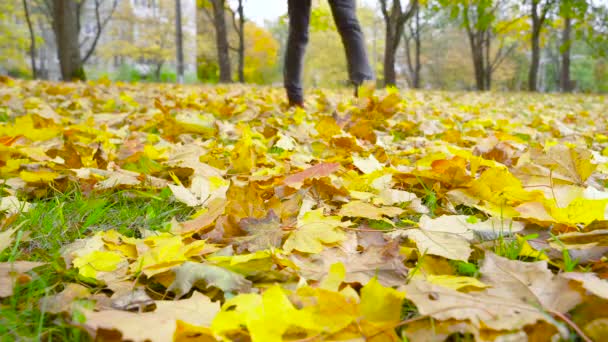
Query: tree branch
(101, 24)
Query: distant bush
(167, 76)
(127, 73)
(207, 71)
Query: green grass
(56, 221)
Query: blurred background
(503, 45)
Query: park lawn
(393, 216)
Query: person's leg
(299, 18)
(345, 17)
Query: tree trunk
(535, 42)
(475, 43)
(390, 78)
(410, 74)
(157, 70)
(221, 38)
(32, 40)
(487, 62)
(417, 65)
(65, 25)
(394, 21)
(565, 83)
(241, 32)
(179, 42)
(535, 63)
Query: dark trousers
(345, 17)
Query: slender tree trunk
(409, 76)
(565, 83)
(487, 63)
(535, 42)
(389, 56)
(241, 32)
(179, 41)
(157, 70)
(65, 25)
(417, 65)
(221, 38)
(394, 21)
(475, 43)
(535, 63)
(32, 40)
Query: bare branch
(101, 24)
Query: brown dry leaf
(467, 228)
(205, 220)
(136, 300)
(584, 240)
(445, 244)
(159, 325)
(14, 272)
(480, 308)
(573, 164)
(263, 233)
(528, 282)
(192, 274)
(591, 282)
(369, 211)
(385, 262)
(62, 301)
(6, 239)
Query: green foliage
(167, 76)
(465, 268)
(207, 71)
(511, 248)
(127, 73)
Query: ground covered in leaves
(197, 213)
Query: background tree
(570, 11)
(395, 17)
(239, 28)
(30, 27)
(539, 13)
(150, 39)
(482, 23)
(13, 38)
(413, 35)
(262, 55)
(216, 12)
(179, 42)
(65, 18)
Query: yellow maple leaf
(97, 261)
(166, 251)
(40, 176)
(314, 230)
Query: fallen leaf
(314, 231)
(6, 239)
(262, 233)
(590, 282)
(10, 272)
(369, 211)
(191, 274)
(314, 172)
(448, 245)
(480, 308)
(531, 282)
(13, 205)
(367, 165)
(159, 325)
